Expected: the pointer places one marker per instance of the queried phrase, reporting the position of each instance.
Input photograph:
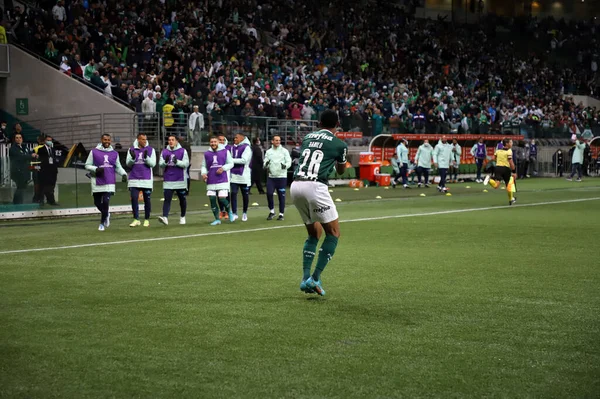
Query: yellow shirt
(168, 115)
(503, 157)
(2, 35)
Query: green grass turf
(497, 303)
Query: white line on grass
(217, 233)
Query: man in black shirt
(257, 165)
(48, 171)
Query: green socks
(308, 254)
(325, 254)
(214, 207)
(225, 203)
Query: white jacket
(196, 117)
(148, 107)
(246, 160)
(278, 161)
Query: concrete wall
(587, 101)
(51, 93)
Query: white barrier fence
(4, 165)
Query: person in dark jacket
(557, 161)
(20, 158)
(48, 171)
(587, 160)
(3, 133)
(257, 165)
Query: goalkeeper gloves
(166, 157)
(283, 166)
(99, 171)
(124, 178)
(145, 154)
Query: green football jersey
(318, 155)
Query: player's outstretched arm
(340, 166)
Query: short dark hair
(17, 134)
(141, 134)
(106, 135)
(255, 140)
(506, 141)
(172, 135)
(329, 119)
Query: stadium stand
(375, 63)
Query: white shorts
(220, 193)
(313, 201)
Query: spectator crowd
(373, 62)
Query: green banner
(22, 106)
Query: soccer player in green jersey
(321, 151)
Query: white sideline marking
(218, 233)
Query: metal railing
(124, 128)
(291, 131)
(4, 165)
(87, 129)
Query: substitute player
(215, 165)
(103, 162)
(141, 158)
(241, 174)
(174, 160)
(504, 170)
(223, 140)
(318, 156)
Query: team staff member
(455, 161)
(257, 165)
(441, 160)
(577, 159)
(38, 195)
(397, 168)
(504, 170)
(103, 162)
(48, 171)
(423, 162)
(402, 152)
(20, 158)
(141, 158)
(277, 161)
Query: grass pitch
(439, 296)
